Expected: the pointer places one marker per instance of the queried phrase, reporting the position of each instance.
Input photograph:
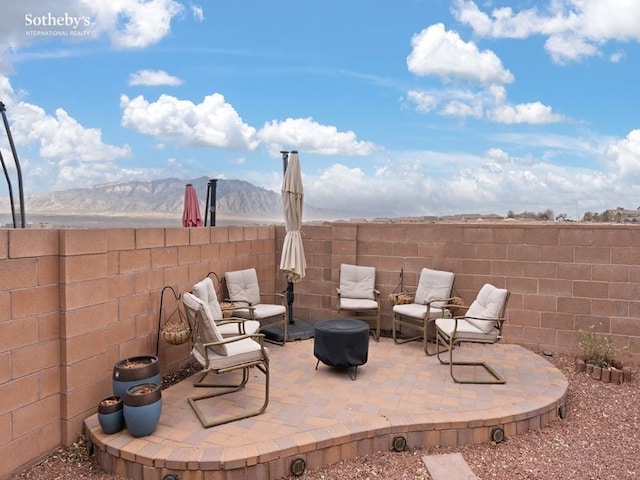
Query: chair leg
(377, 335)
(497, 378)
(426, 340)
(200, 382)
(360, 315)
(285, 334)
(206, 423)
(396, 321)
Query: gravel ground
(598, 440)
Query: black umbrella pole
(290, 298)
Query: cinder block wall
(73, 302)
(563, 277)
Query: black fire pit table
(341, 342)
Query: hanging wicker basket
(456, 306)
(401, 298)
(227, 309)
(176, 330)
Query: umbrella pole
(210, 203)
(290, 298)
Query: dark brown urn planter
(110, 415)
(135, 371)
(142, 408)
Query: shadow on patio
(322, 416)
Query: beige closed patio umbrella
(292, 262)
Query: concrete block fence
(75, 301)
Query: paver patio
(322, 416)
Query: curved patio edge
(184, 448)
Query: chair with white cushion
(244, 292)
(430, 302)
(358, 296)
(228, 326)
(218, 356)
(482, 323)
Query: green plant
(596, 349)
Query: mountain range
(234, 199)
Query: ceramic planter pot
(142, 408)
(110, 414)
(135, 371)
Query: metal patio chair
(244, 292)
(218, 355)
(358, 296)
(227, 325)
(430, 302)
(482, 323)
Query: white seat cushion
(358, 304)
(232, 329)
(206, 292)
(434, 285)
(261, 311)
(488, 304)
(467, 330)
(208, 330)
(357, 281)
(419, 311)
(242, 286)
(242, 351)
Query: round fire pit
(341, 342)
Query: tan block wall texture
(73, 302)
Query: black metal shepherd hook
(18, 170)
(177, 297)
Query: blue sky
(398, 108)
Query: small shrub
(596, 349)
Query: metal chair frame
(262, 364)
(450, 341)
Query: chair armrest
(234, 320)
(258, 337)
(227, 320)
(500, 321)
(237, 304)
(275, 296)
(446, 302)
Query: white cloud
(135, 23)
(574, 28)
(57, 149)
(127, 23)
(153, 78)
(421, 183)
(198, 12)
(626, 153)
(61, 137)
(424, 101)
(212, 123)
(490, 104)
(533, 113)
(565, 48)
(312, 137)
(443, 53)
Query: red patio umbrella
(191, 212)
